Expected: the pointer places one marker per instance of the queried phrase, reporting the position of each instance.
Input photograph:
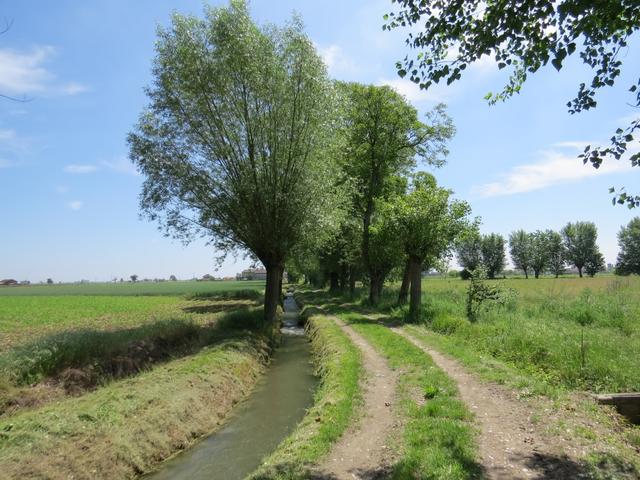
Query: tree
(556, 254)
(172, 278)
(428, 223)
(540, 251)
(49, 281)
(580, 244)
(520, 250)
(385, 248)
(524, 37)
(231, 143)
(492, 250)
(134, 278)
(628, 261)
(384, 138)
(595, 264)
(468, 251)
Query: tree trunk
(526, 274)
(280, 296)
(352, 282)
(334, 284)
(403, 295)
(536, 273)
(344, 279)
(272, 292)
(415, 274)
(374, 289)
(580, 271)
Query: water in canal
(259, 424)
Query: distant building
(8, 282)
(252, 274)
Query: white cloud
(554, 168)
(337, 61)
(73, 88)
(414, 93)
(23, 73)
(627, 119)
(75, 205)
(121, 165)
(79, 169)
(484, 65)
(7, 135)
(6, 163)
(61, 189)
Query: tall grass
(115, 352)
(540, 330)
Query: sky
(69, 195)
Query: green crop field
(128, 288)
(109, 330)
(31, 312)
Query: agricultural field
(131, 289)
(114, 352)
(82, 326)
(28, 312)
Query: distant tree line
(539, 252)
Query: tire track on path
(363, 452)
(510, 447)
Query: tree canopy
(520, 250)
(428, 222)
(524, 37)
(384, 139)
(231, 143)
(581, 247)
(629, 241)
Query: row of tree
(538, 252)
(549, 251)
(248, 143)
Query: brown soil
(511, 444)
(364, 451)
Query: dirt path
(363, 452)
(509, 445)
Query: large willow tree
(230, 144)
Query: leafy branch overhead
(523, 37)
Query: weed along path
(509, 445)
(364, 452)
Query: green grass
(127, 288)
(23, 318)
(335, 405)
(438, 440)
(127, 427)
(537, 333)
(108, 352)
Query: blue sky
(69, 197)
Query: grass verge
(129, 426)
(438, 439)
(339, 366)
